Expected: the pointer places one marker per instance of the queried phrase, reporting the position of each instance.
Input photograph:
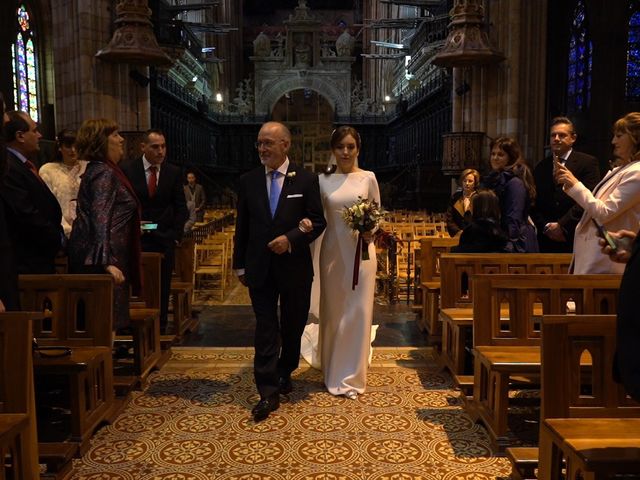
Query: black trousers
(277, 340)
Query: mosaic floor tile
(193, 422)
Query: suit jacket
(33, 216)
(614, 204)
(552, 204)
(627, 361)
(457, 219)
(299, 198)
(168, 206)
(197, 197)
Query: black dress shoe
(285, 385)
(265, 407)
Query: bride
(345, 313)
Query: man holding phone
(555, 213)
(158, 185)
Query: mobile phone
(149, 226)
(602, 233)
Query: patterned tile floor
(193, 422)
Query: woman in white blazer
(614, 202)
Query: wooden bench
(18, 436)
(77, 312)
(182, 290)
(506, 331)
(430, 251)
(577, 357)
(456, 298)
(144, 313)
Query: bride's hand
(305, 225)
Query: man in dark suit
(158, 185)
(194, 192)
(555, 213)
(272, 257)
(33, 214)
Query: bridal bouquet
(363, 216)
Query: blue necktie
(274, 192)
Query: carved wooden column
(467, 46)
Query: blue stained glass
(632, 83)
(25, 64)
(579, 61)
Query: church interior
(461, 383)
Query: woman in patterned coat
(106, 232)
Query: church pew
(507, 317)
(456, 297)
(77, 312)
(144, 312)
(430, 251)
(18, 436)
(577, 354)
(182, 290)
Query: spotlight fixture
(219, 97)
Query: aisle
(193, 422)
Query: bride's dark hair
(339, 133)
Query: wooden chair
(18, 436)
(507, 318)
(578, 388)
(182, 289)
(211, 261)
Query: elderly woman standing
(614, 202)
(106, 233)
(62, 176)
(458, 214)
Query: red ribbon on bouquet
(356, 261)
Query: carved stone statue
(279, 50)
(262, 45)
(344, 44)
(302, 55)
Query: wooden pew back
(456, 270)
(430, 251)
(77, 309)
(508, 309)
(17, 400)
(577, 363)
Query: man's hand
(623, 239)
(554, 232)
(279, 245)
(564, 176)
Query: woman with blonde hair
(106, 232)
(458, 214)
(614, 203)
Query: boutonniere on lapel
(289, 177)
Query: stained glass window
(632, 84)
(580, 62)
(25, 64)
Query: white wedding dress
(345, 315)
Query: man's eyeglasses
(265, 143)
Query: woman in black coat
(458, 213)
(483, 234)
(626, 366)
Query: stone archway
(337, 96)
